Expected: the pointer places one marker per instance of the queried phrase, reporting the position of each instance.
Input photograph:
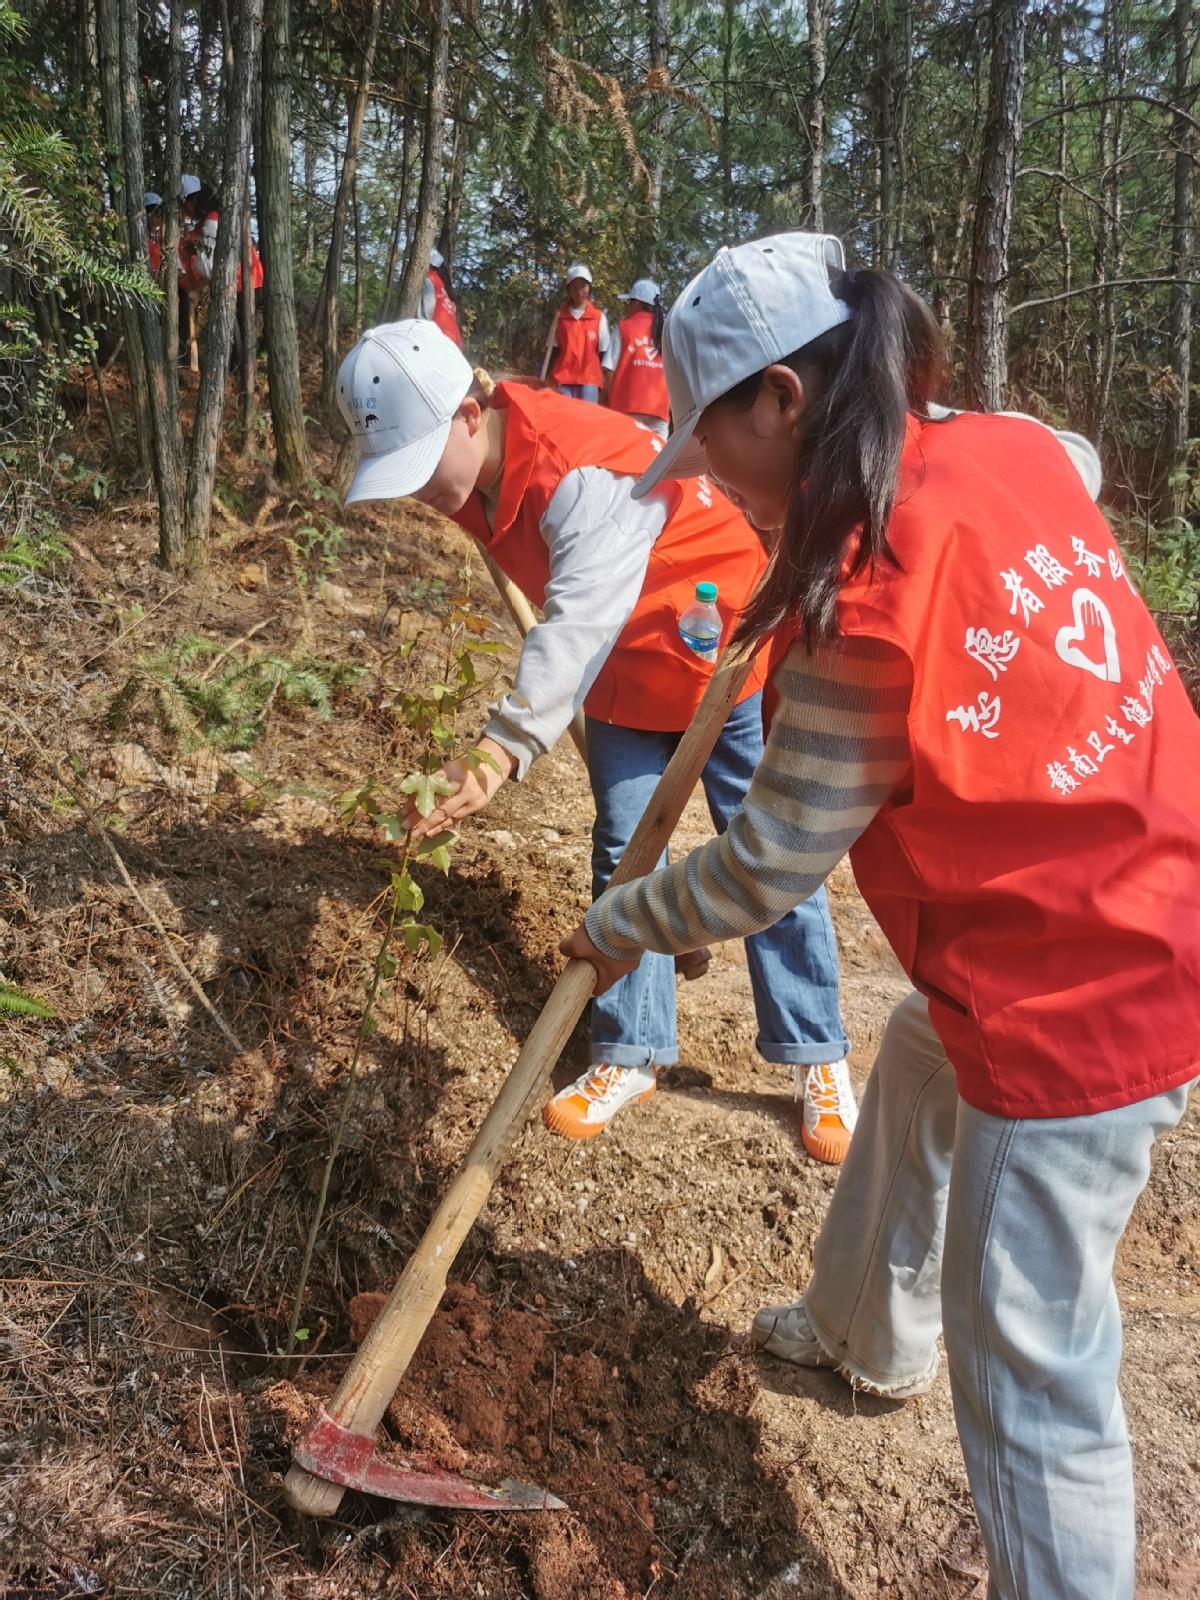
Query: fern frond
(14, 1002)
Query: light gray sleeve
(837, 748)
(599, 540)
(607, 345)
(428, 299)
(614, 350)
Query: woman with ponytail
(545, 486)
(639, 388)
(970, 697)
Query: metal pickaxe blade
(340, 1455)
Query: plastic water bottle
(700, 624)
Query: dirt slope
(158, 1184)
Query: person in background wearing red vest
(198, 248)
(153, 205)
(579, 356)
(544, 484)
(436, 305)
(638, 387)
(973, 699)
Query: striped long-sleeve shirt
(838, 747)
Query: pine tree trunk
(416, 260)
(309, 249)
(660, 41)
(108, 18)
(1106, 257)
(167, 434)
(885, 136)
(210, 402)
(725, 140)
(389, 277)
(171, 222)
(331, 283)
(448, 238)
(1061, 228)
(356, 325)
(987, 302)
(248, 334)
(818, 63)
(280, 335)
(1175, 495)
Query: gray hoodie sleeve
(599, 541)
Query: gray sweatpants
(1000, 1235)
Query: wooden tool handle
(525, 618)
(370, 1381)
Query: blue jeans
(793, 966)
(1000, 1235)
(580, 391)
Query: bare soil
(157, 1184)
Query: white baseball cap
(578, 270)
(398, 390)
(753, 305)
(643, 289)
(189, 184)
(150, 199)
(436, 258)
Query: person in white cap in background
(201, 208)
(579, 352)
(545, 486)
(970, 697)
(638, 386)
(436, 305)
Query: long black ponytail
(864, 377)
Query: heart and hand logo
(1090, 640)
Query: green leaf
(393, 826)
(436, 849)
(387, 964)
(409, 895)
(480, 758)
(415, 934)
(425, 787)
(301, 1335)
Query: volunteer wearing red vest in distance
(436, 305)
(154, 222)
(972, 698)
(580, 346)
(544, 484)
(638, 386)
(198, 247)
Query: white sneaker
(786, 1332)
(587, 1106)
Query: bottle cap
(706, 593)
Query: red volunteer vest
(191, 278)
(651, 679)
(445, 315)
(1038, 874)
(154, 251)
(638, 384)
(578, 341)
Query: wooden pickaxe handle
(364, 1393)
(525, 618)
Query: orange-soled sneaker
(587, 1106)
(830, 1112)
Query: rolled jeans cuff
(803, 1055)
(632, 1055)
